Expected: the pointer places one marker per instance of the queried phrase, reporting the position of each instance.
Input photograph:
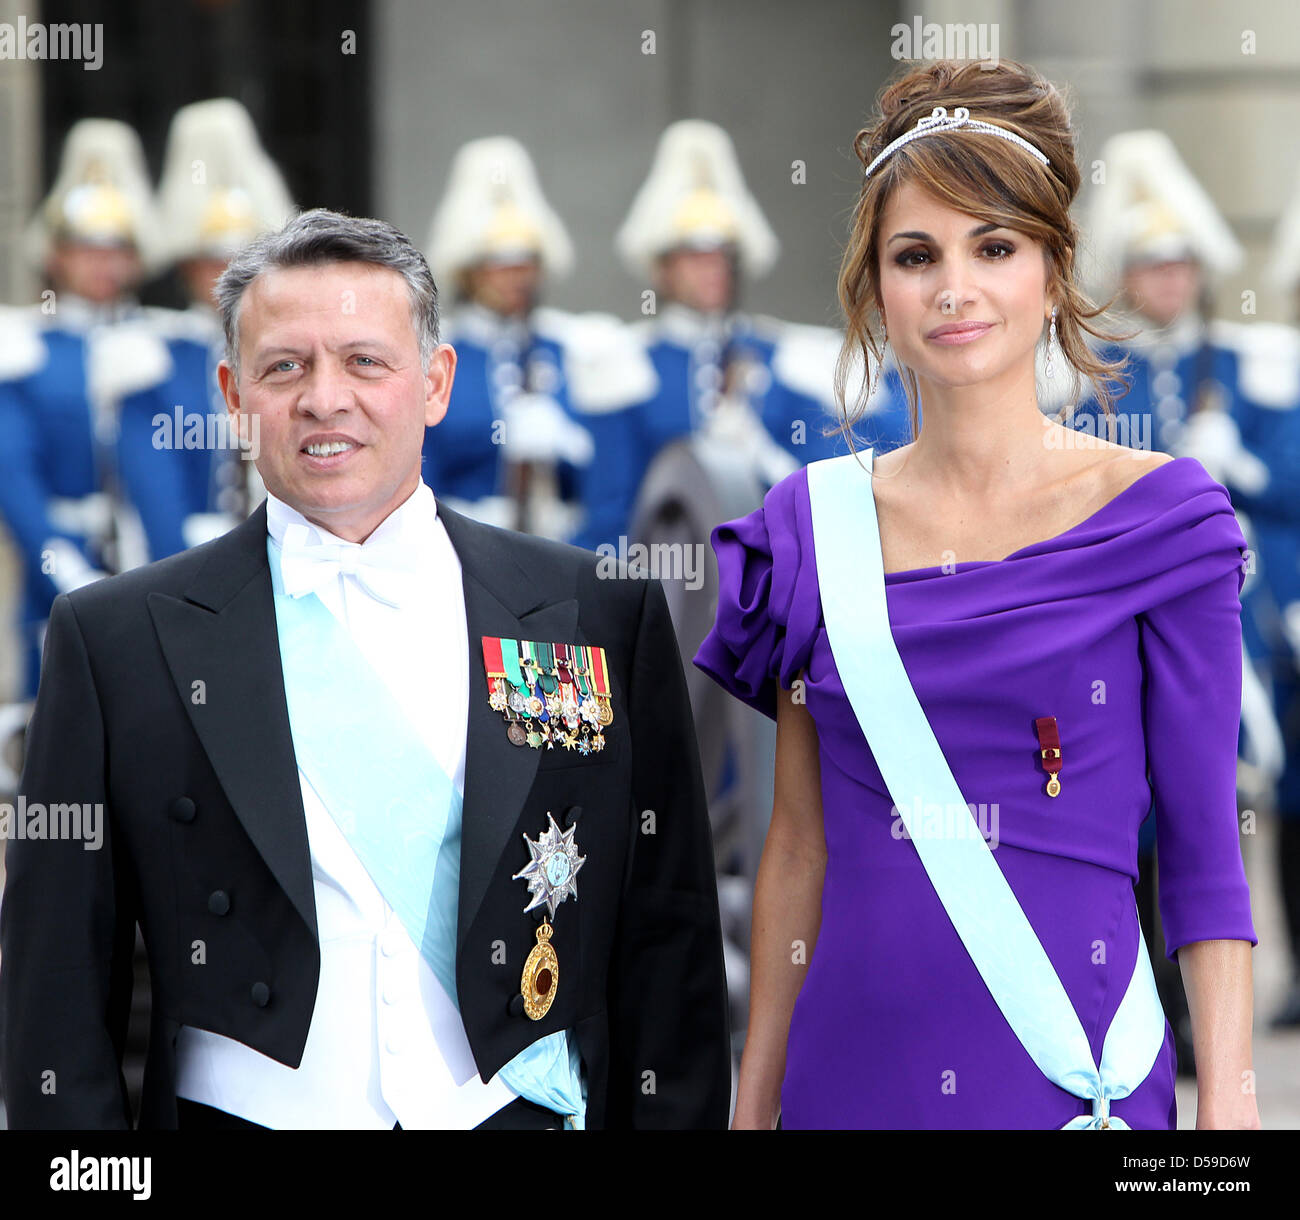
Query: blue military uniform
(496, 357)
(785, 371)
(59, 453)
(1166, 370)
(1267, 417)
(174, 485)
(775, 369)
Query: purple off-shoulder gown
(1126, 628)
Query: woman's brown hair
(985, 176)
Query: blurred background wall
(364, 102)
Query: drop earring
(1048, 369)
(880, 368)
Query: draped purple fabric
(1126, 628)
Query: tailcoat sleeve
(67, 923)
(670, 1052)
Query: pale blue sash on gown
(970, 885)
(400, 812)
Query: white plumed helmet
(493, 208)
(219, 189)
(101, 194)
(695, 195)
(1151, 207)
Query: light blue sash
(983, 909)
(400, 812)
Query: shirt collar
(412, 522)
(1181, 336)
(484, 327)
(78, 315)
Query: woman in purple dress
(1037, 582)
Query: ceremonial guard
(66, 366)
(181, 464)
(752, 384)
(1265, 424)
(514, 446)
(1159, 241)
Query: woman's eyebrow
(916, 235)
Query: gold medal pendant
(541, 976)
(551, 874)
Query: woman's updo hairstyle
(984, 175)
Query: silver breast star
(553, 870)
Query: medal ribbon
(510, 660)
(584, 663)
(600, 675)
(549, 680)
(492, 657)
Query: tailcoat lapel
(221, 645)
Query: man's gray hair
(319, 237)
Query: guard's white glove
(124, 358)
(1291, 626)
(490, 510)
(66, 566)
(198, 528)
(1213, 439)
(538, 430)
(1263, 748)
(735, 427)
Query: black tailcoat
(162, 698)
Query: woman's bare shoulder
(1125, 466)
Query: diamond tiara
(960, 120)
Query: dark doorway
(301, 67)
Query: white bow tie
(382, 568)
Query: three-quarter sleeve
(768, 604)
(1191, 655)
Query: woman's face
(964, 301)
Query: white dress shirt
(386, 1042)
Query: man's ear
(229, 387)
(438, 380)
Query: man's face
(100, 274)
(699, 279)
(1163, 292)
(200, 276)
(509, 289)
(329, 357)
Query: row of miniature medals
(550, 694)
